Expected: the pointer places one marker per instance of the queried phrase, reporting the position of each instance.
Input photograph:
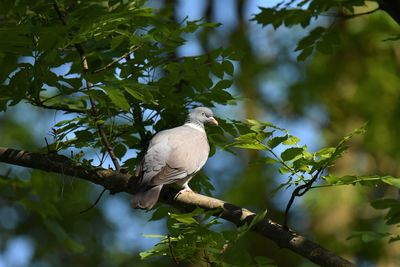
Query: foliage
(323, 39)
(192, 238)
(303, 167)
(125, 71)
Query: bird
(174, 156)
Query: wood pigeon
(174, 156)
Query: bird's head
(202, 115)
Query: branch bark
(121, 182)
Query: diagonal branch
(120, 182)
(85, 68)
(115, 61)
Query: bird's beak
(213, 121)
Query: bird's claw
(184, 190)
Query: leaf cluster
(197, 237)
(323, 39)
(117, 55)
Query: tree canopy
(303, 166)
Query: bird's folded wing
(168, 175)
(173, 155)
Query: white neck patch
(195, 126)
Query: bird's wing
(173, 155)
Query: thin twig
(115, 61)
(281, 161)
(172, 252)
(350, 16)
(95, 203)
(59, 14)
(297, 193)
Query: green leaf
(159, 249)
(284, 170)
(305, 53)
(263, 123)
(120, 150)
(223, 84)
(262, 136)
(247, 137)
(228, 67)
(274, 142)
(331, 179)
(84, 135)
(258, 218)
(291, 153)
(269, 160)
(141, 92)
(160, 213)
(117, 97)
(250, 145)
(311, 38)
(291, 141)
(325, 153)
(217, 70)
(184, 218)
(392, 181)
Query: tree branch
(59, 108)
(120, 182)
(85, 68)
(353, 15)
(115, 61)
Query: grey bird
(173, 156)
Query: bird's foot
(185, 189)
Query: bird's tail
(146, 199)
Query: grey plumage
(174, 156)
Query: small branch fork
(298, 192)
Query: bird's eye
(203, 114)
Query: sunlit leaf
(291, 153)
(274, 142)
